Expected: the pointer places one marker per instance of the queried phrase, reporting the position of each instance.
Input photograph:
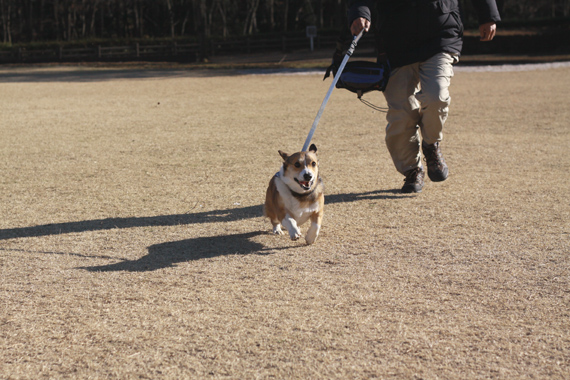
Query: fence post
(137, 50)
(203, 48)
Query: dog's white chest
(302, 214)
(298, 211)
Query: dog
(296, 194)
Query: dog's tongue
(304, 183)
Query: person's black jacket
(414, 30)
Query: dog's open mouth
(306, 185)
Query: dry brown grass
(132, 243)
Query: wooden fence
(186, 52)
(133, 52)
(554, 42)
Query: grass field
(132, 242)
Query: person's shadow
(167, 254)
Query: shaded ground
(132, 243)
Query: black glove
(336, 61)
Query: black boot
(436, 167)
(414, 181)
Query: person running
(421, 39)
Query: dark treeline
(69, 20)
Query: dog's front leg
(291, 225)
(277, 229)
(313, 231)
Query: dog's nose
(308, 176)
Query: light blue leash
(333, 84)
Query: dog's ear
(313, 148)
(283, 155)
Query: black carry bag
(361, 77)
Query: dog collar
(303, 195)
(299, 195)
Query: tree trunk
(222, 8)
(69, 25)
(93, 15)
(170, 17)
(6, 27)
(271, 6)
(41, 18)
(196, 14)
(285, 15)
(184, 22)
(83, 18)
(321, 14)
(251, 18)
(56, 19)
(138, 26)
(102, 21)
(203, 18)
(211, 11)
(31, 20)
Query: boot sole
(438, 176)
(410, 190)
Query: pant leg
(403, 116)
(435, 77)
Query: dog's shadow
(167, 254)
(214, 216)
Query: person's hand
(487, 31)
(358, 25)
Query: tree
(69, 20)
(6, 10)
(250, 23)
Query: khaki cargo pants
(418, 102)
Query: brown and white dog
(295, 195)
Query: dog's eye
(314, 163)
(297, 165)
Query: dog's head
(301, 170)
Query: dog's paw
(277, 230)
(310, 239)
(312, 233)
(295, 234)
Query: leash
(349, 52)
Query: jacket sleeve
(360, 8)
(487, 11)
